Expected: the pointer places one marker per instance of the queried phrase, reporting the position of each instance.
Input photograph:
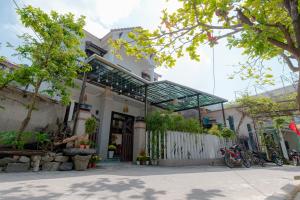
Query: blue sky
(102, 15)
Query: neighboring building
(247, 134)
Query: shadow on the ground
(102, 188)
(285, 191)
(197, 194)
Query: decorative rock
(35, 158)
(66, 166)
(50, 166)
(17, 167)
(51, 154)
(61, 158)
(15, 157)
(36, 166)
(47, 158)
(24, 159)
(5, 161)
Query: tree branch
(244, 19)
(289, 63)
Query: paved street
(133, 182)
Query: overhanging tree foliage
(263, 29)
(53, 52)
(259, 107)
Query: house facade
(120, 91)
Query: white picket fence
(174, 145)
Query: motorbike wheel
(246, 163)
(262, 162)
(228, 161)
(278, 161)
(295, 161)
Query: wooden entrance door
(121, 133)
(127, 139)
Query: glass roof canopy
(164, 94)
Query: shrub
(112, 147)
(163, 121)
(90, 125)
(10, 138)
(227, 133)
(214, 130)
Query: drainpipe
(199, 110)
(223, 113)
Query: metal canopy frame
(163, 94)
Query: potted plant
(87, 144)
(138, 160)
(147, 158)
(81, 144)
(94, 160)
(111, 150)
(154, 161)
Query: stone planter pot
(81, 162)
(87, 146)
(138, 162)
(147, 162)
(81, 146)
(110, 154)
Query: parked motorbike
(295, 157)
(235, 156)
(257, 158)
(275, 158)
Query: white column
(105, 120)
(139, 138)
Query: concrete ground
(152, 183)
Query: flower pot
(110, 154)
(87, 146)
(138, 162)
(89, 165)
(147, 162)
(153, 162)
(81, 162)
(81, 146)
(93, 165)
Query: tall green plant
(90, 125)
(53, 52)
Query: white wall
(128, 62)
(107, 102)
(13, 113)
(236, 118)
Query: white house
(119, 91)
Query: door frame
(111, 125)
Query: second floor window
(146, 76)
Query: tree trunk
(81, 97)
(31, 106)
(240, 122)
